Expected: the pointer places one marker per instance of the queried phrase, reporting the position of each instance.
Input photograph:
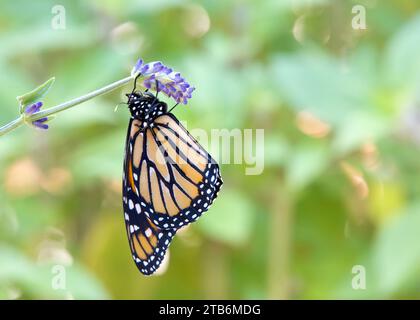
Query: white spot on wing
(148, 232)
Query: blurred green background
(341, 112)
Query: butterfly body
(169, 179)
(146, 108)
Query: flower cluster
(160, 78)
(33, 108)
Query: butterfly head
(145, 107)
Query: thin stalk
(69, 104)
(63, 106)
(11, 126)
(280, 232)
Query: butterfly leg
(157, 91)
(173, 107)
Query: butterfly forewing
(175, 179)
(148, 242)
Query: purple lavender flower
(34, 108)
(41, 123)
(31, 109)
(158, 77)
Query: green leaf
(230, 218)
(323, 85)
(34, 280)
(34, 95)
(402, 57)
(305, 165)
(396, 252)
(97, 157)
(359, 128)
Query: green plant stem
(66, 105)
(11, 125)
(281, 223)
(63, 106)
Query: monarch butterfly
(169, 180)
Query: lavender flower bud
(32, 109)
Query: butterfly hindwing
(148, 243)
